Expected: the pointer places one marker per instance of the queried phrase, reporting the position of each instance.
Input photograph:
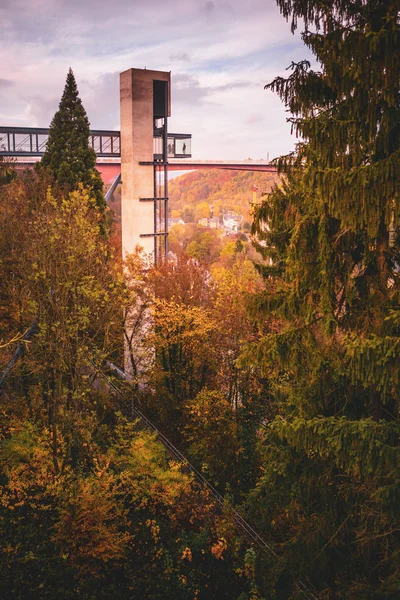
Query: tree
(211, 431)
(90, 504)
(68, 155)
(188, 214)
(132, 520)
(205, 245)
(185, 358)
(184, 280)
(58, 272)
(137, 318)
(7, 171)
(331, 306)
(202, 210)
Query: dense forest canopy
(275, 374)
(90, 502)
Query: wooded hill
(191, 194)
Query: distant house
(212, 222)
(175, 221)
(231, 222)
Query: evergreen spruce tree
(330, 494)
(68, 155)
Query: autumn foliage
(90, 502)
(267, 391)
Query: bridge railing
(106, 143)
(31, 141)
(20, 141)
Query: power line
(239, 520)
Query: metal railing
(32, 141)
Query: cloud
(101, 100)
(220, 54)
(254, 118)
(208, 7)
(183, 57)
(6, 83)
(233, 85)
(39, 111)
(186, 89)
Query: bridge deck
(234, 165)
(25, 146)
(110, 168)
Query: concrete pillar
(137, 123)
(137, 129)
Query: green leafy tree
(68, 155)
(184, 358)
(58, 272)
(7, 171)
(330, 490)
(212, 434)
(205, 245)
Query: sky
(220, 53)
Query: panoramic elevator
(146, 146)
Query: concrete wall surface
(137, 123)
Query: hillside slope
(224, 190)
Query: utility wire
(240, 521)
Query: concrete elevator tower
(145, 107)
(146, 147)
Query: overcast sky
(220, 53)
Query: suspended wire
(182, 459)
(239, 520)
